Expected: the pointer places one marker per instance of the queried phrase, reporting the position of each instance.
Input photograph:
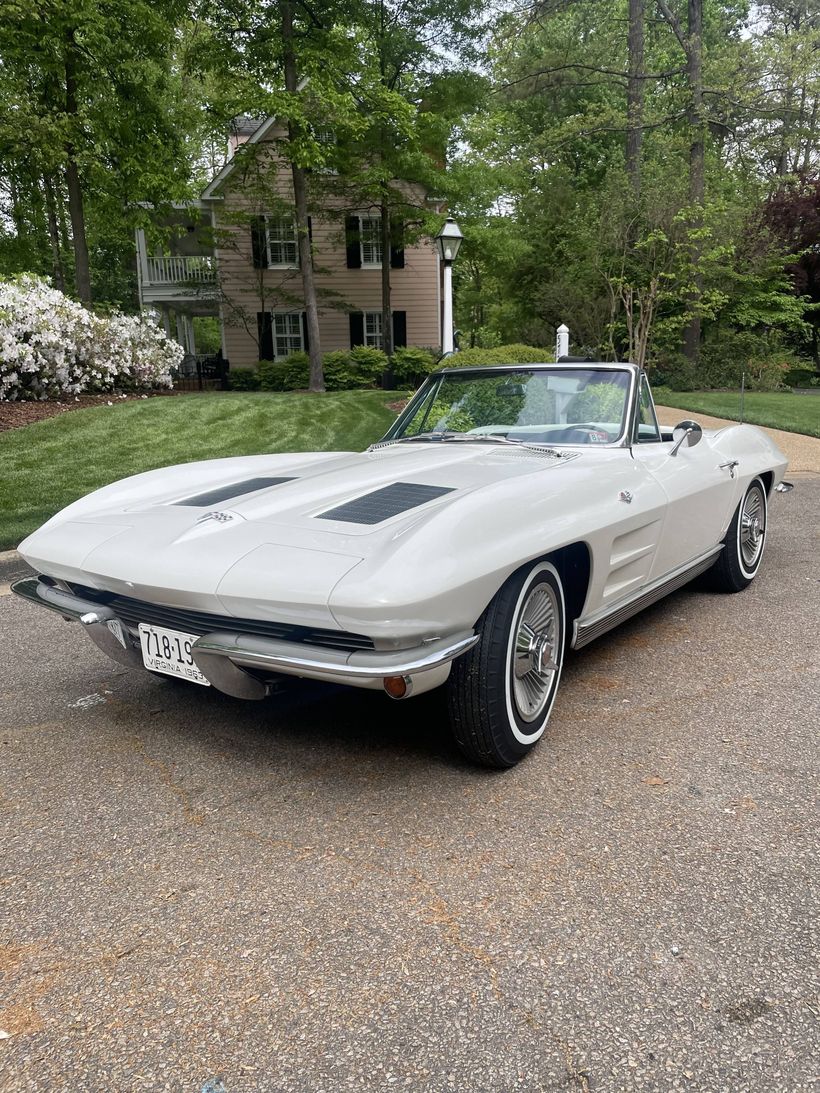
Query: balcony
(180, 270)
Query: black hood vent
(228, 493)
(373, 508)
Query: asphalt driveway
(316, 894)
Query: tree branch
(591, 68)
(674, 23)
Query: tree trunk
(634, 96)
(697, 176)
(54, 234)
(82, 273)
(387, 311)
(317, 378)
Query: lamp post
(449, 240)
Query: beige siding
(414, 288)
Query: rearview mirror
(686, 433)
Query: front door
(698, 490)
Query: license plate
(169, 652)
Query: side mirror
(687, 433)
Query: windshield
(545, 406)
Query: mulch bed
(13, 415)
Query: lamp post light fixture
(449, 240)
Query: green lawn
(53, 462)
(778, 410)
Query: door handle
(729, 466)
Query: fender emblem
(220, 517)
(625, 496)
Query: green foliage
(802, 377)
(674, 371)
(411, 365)
(207, 334)
(290, 374)
(725, 359)
(502, 354)
(603, 402)
(243, 379)
(346, 369)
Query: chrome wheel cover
(534, 663)
(752, 529)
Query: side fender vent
(373, 508)
(228, 493)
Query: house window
(287, 334)
(370, 240)
(283, 249)
(373, 329)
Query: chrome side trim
(313, 662)
(587, 630)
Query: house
(234, 254)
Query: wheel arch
(767, 478)
(574, 565)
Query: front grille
(133, 612)
(373, 508)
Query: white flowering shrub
(51, 346)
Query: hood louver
(373, 508)
(228, 493)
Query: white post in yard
(447, 319)
(562, 342)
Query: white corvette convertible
(509, 512)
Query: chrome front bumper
(222, 657)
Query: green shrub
(411, 365)
(802, 377)
(761, 357)
(290, 374)
(504, 354)
(347, 369)
(243, 379)
(674, 371)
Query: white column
(447, 320)
(562, 342)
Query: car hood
(267, 536)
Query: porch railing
(178, 269)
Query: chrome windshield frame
(624, 440)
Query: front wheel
(501, 693)
(745, 541)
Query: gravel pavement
(316, 894)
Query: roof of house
(262, 128)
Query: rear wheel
(501, 693)
(745, 541)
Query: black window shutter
(352, 237)
(397, 245)
(399, 329)
(310, 228)
(259, 242)
(264, 321)
(305, 339)
(356, 329)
